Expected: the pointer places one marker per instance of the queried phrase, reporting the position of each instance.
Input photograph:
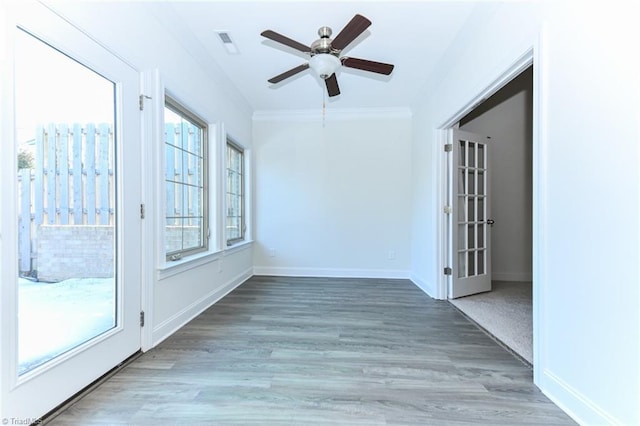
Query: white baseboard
(512, 276)
(331, 272)
(575, 404)
(424, 286)
(177, 321)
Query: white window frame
(180, 109)
(231, 144)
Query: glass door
(471, 212)
(66, 201)
(76, 293)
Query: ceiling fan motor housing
(323, 44)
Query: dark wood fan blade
(353, 29)
(332, 85)
(287, 74)
(366, 65)
(272, 35)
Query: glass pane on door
(470, 243)
(67, 190)
(471, 208)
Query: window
(235, 193)
(186, 212)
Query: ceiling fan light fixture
(324, 65)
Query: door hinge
(141, 318)
(447, 271)
(141, 101)
(141, 211)
(448, 147)
(447, 209)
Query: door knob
(490, 222)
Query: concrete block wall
(75, 251)
(177, 237)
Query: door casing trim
(533, 56)
(443, 176)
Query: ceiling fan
(325, 57)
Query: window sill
(236, 247)
(169, 269)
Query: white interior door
(71, 225)
(470, 217)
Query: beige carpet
(506, 313)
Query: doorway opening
(505, 309)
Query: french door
(71, 227)
(470, 218)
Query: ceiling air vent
(227, 42)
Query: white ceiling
(411, 35)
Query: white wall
(586, 217)
(179, 297)
(592, 166)
(333, 200)
(507, 118)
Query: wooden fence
(70, 183)
(183, 165)
(184, 186)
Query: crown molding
(331, 114)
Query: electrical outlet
(392, 255)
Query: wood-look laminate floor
(300, 351)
